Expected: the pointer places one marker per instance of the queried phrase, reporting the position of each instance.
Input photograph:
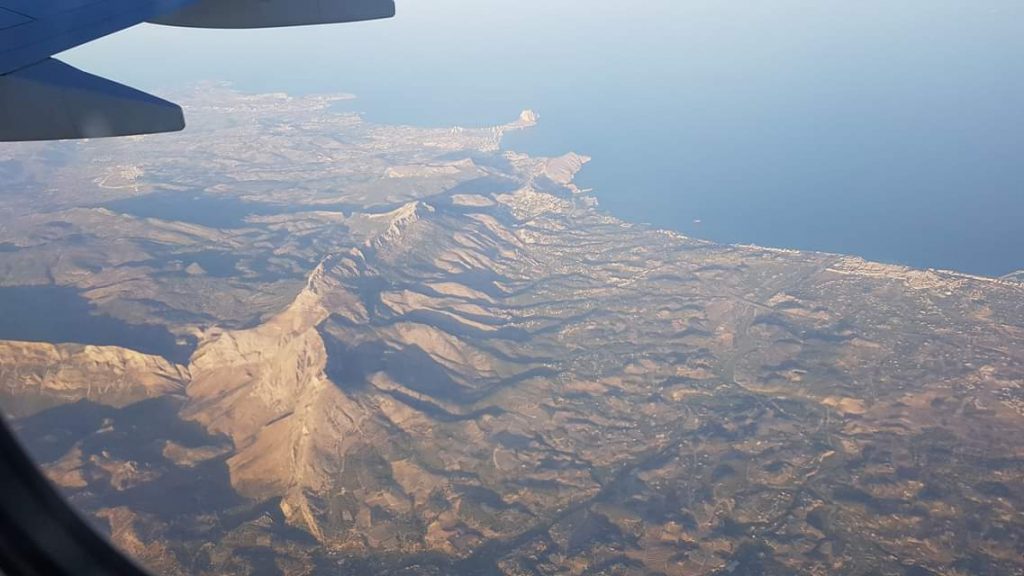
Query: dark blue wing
(33, 30)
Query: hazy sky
(740, 50)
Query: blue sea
(892, 131)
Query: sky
(472, 43)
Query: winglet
(52, 101)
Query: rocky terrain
(289, 341)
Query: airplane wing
(44, 99)
(276, 13)
(53, 101)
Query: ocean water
(893, 131)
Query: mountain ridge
(416, 353)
